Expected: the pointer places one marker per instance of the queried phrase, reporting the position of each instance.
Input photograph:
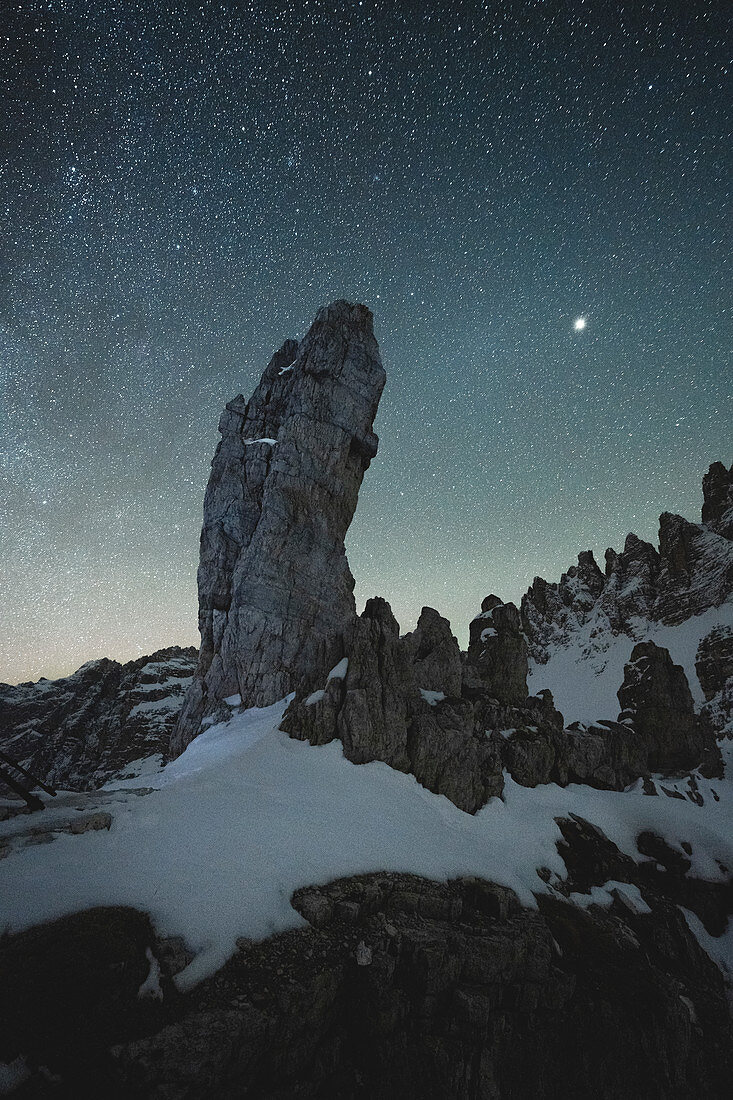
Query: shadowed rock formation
(375, 703)
(714, 660)
(275, 589)
(497, 651)
(717, 509)
(691, 572)
(656, 700)
(79, 731)
(396, 987)
(458, 743)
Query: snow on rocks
(585, 672)
(247, 815)
(586, 623)
(81, 730)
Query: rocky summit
(275, 589)
(358, 863)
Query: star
(579, 324)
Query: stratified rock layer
(275, 589)
(714, 666)
(79, 731)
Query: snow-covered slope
(247, 815)
(581, 630)
(585, 671)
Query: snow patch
(432, 697)
(151, 985)
(338, 672)
(170, 702)
(247, 815)
(585, 674)
(604, 896)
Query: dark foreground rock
(397, 987)
(77, 732)
(275, 589)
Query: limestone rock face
(459, 743)
(497, 651)
(275, 589)
(374, 701)
(436, 656)
(714, 660)
(79, 731)
(656, 701)
(714, 667)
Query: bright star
(579, 324)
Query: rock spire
(275, 589)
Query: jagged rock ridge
(79, 731)
(277, 610)
(457, 722)
(690, 572)
(275, 589)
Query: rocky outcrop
(435, 655)
(275, 589)
(459, 742)
(714, 667)
(696, 572)
(691, 572)
(374, 701)
(656, 701)
(717, 509)
(497, 651)
(397, 986)
(79, 731)
(657, 732)
(714, 660)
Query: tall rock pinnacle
(275, 589)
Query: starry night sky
(182, 185)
